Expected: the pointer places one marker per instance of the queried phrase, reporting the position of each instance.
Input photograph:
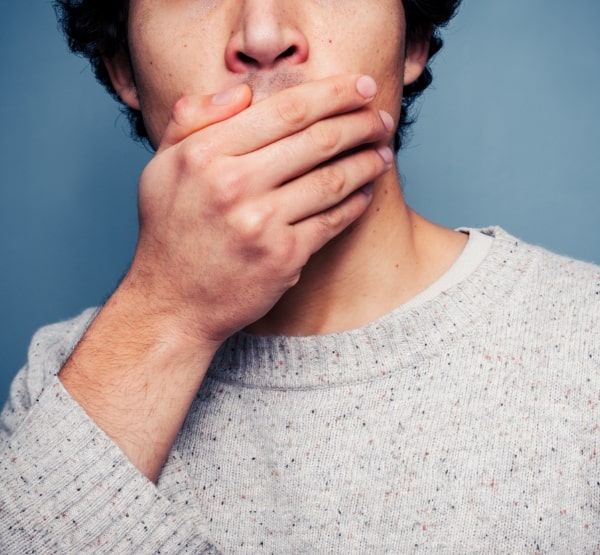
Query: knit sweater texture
(469, 423)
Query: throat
(362, 275)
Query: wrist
(136, 372)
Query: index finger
(191, 114)
(294, 109)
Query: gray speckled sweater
(466, 424)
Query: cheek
(156, 96)
(164, 70)
(365, 34)
(376, 47)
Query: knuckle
(374, 163)
(374, 125)
(331, 181)
(194, 156)
(181, 110)
(231, 186)
(325, 137)
(337, 90)
(292, 109)
(332, 219)
(292, 280)
(251, 224)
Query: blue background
(507, 135)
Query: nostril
(250, 61)
(287, 53)
(245, 59)
(251, 50)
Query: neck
(384, 259)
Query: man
(296, 361)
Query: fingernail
(386, 153)
(227, 96)
(387, 120)
(367, 189)
(366, 86)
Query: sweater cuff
(68, 487)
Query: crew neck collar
(402, 338)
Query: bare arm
(232, 206)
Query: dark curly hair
(96, 28)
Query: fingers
(289, 158)
(191, 114)
(331, 183)
(292, 110)
(314, 232)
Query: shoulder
(546, 272)
(556, 296)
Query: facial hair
(264, 85)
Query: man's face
(198, 47)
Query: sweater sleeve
(66, 487)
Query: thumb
(193, 113)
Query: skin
(231, 237)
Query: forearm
(135, 373)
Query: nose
(265, 35)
